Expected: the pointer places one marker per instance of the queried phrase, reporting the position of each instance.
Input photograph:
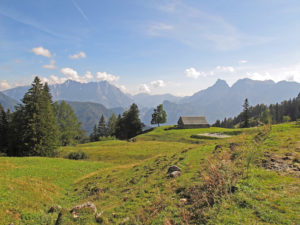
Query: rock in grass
(54, 208)
(77, 208)
(183, 200)
(124, 221)
(99, 218)
(173, 169)
(175, 174)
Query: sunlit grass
(129, 179)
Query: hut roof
(193, 120)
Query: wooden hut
(188, 122)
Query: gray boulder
(173, 169)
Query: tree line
(286, 111)
(38, 126)
(127, 125)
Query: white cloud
(158, 83)
(143, 88)
(259, 76)
(243, 61)
(193, 73)
(79, 55)
(289, 73)
(70, 73)
(88, 75)
(54, 79)
(42, 51)
(122, 88)
(4, 85)
(51, 65)
(224, 69)
(107, 77)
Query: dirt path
(215, 135)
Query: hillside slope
(254, 175)
(89, 113)
(7, 102)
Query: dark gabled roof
(193, 120)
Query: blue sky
(164, 46)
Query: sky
(151, 46)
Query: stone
(217, 147)
(175, 174)
(77, 208)
(98, 217)
(54, 208)
(125, 220)
(183, 200)
(173, 169)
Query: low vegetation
(251, 177)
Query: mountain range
(7, 102)
(220, 100)
(90, 100)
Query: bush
(219, 176)
(77, 155)
(108, 138)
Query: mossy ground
(128, 180)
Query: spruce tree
(4, 129)
(246, 114)
(111, 125)
(159, 115)
(94, 135)
(102, 129)
(119, 127)
(40, 131)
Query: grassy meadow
(128, 181)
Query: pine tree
(111, 125)
(246, 114)
(38, 131)
(102, 129)
(119, 127)
(159, 115)
(68, 124)
(4, 129)
(94, 135)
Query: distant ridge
(99, 92)
(215, 102)
(7, 102)
(89, 113)
(220, 100)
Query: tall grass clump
(79, 155)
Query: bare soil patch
(215, 135)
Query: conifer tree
(159, 115)
(102, 129)
(94, 135)
(246, 114)
(119, 127)
(130, 124)
(38, 132)
(4, 129)
(111, 125)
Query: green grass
(129, 179)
